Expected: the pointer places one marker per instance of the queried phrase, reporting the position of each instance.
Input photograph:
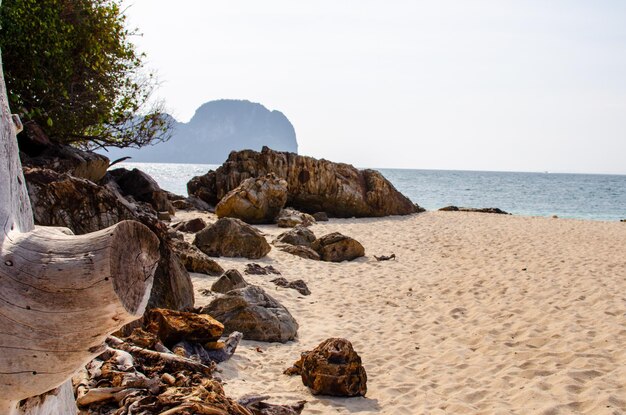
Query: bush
(70, 67)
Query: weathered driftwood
(60, 295)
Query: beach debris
(191, 226)
(320, 216)
(232, 237)
(256, 269)
(336, 247)
(254, 313)
(257, 405)
(332, 368)
(230, 280)
(211, 351)
(385, 257)
(195, 260)
(298, 285)
(479, 210)
(339, 189)
(256, 200)
(301, 251)
(299, 235)
(290, 218)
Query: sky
(496, 85)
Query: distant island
(216, 129)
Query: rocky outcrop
(336, 247)
(231, 237)
(143, 188)
(174, 326)
(254, 313)
(230, 280)
(301, 251)
(289, 218)
(478, 210)
(313, 185)
(332, 368)
(297, 236)
(255, 200)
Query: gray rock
(299, 235)
(254, 313)
(230, 280)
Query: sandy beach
(478, 314)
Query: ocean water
(581, 196)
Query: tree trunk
(60, 294)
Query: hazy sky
(469, 84)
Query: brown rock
(230, 280)
(320, 216)
(301, 251)
(195, 260)
(297, 236)
(332, 368)
(336, 247)
(143, 188)
(254, 313)
(172, 326)
(181, 204)
(255, 200)
(298, 285)
(313, 185)
(256, 269)
(191, 226)
(142, 338)
(289, 218)
(232, 237)
(478, 210)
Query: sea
(579, 196)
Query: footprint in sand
(458, 312)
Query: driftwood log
(60, 295)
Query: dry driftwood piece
(60, 295)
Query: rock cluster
(255, 200)
(232, 237)
(332, 368)
(313, 185)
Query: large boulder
(332, 368)
(254, 313)
(232, 237)
(290, 218)
(255, 200)
(299, 235)
(314, 185)
(143, 188)
(195, 260)
(336, 247)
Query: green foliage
(69, 65)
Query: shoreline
(479, 313)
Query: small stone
(191, 226)
(256, 269)
(298, 285)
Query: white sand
(455, 325)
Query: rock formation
(313, 185)
(231, 237)
(289, 218)
(254, 313)
(255, 200)
(297, 236)
(195, 260)
(332, 368)
(336, 247)
(143, 188)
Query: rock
(254, 313)
(227, 348)
(623, 220)
(142, 338)
(301, 251)
(332, 368)
(230, 280)
(182, 204)
(172, 287)
(172, 326)
(200, 204)
(289, 218)
(195, 260)
(313, 185)
(481, 210)
(165, 216)
(71, 202)
(142, 187)
(257, 406)
(232, 237)
(336, 247)
(320, 216)
(191, 226)
(298, 285)
(256, 269)
(255, 200)
(297, 236)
